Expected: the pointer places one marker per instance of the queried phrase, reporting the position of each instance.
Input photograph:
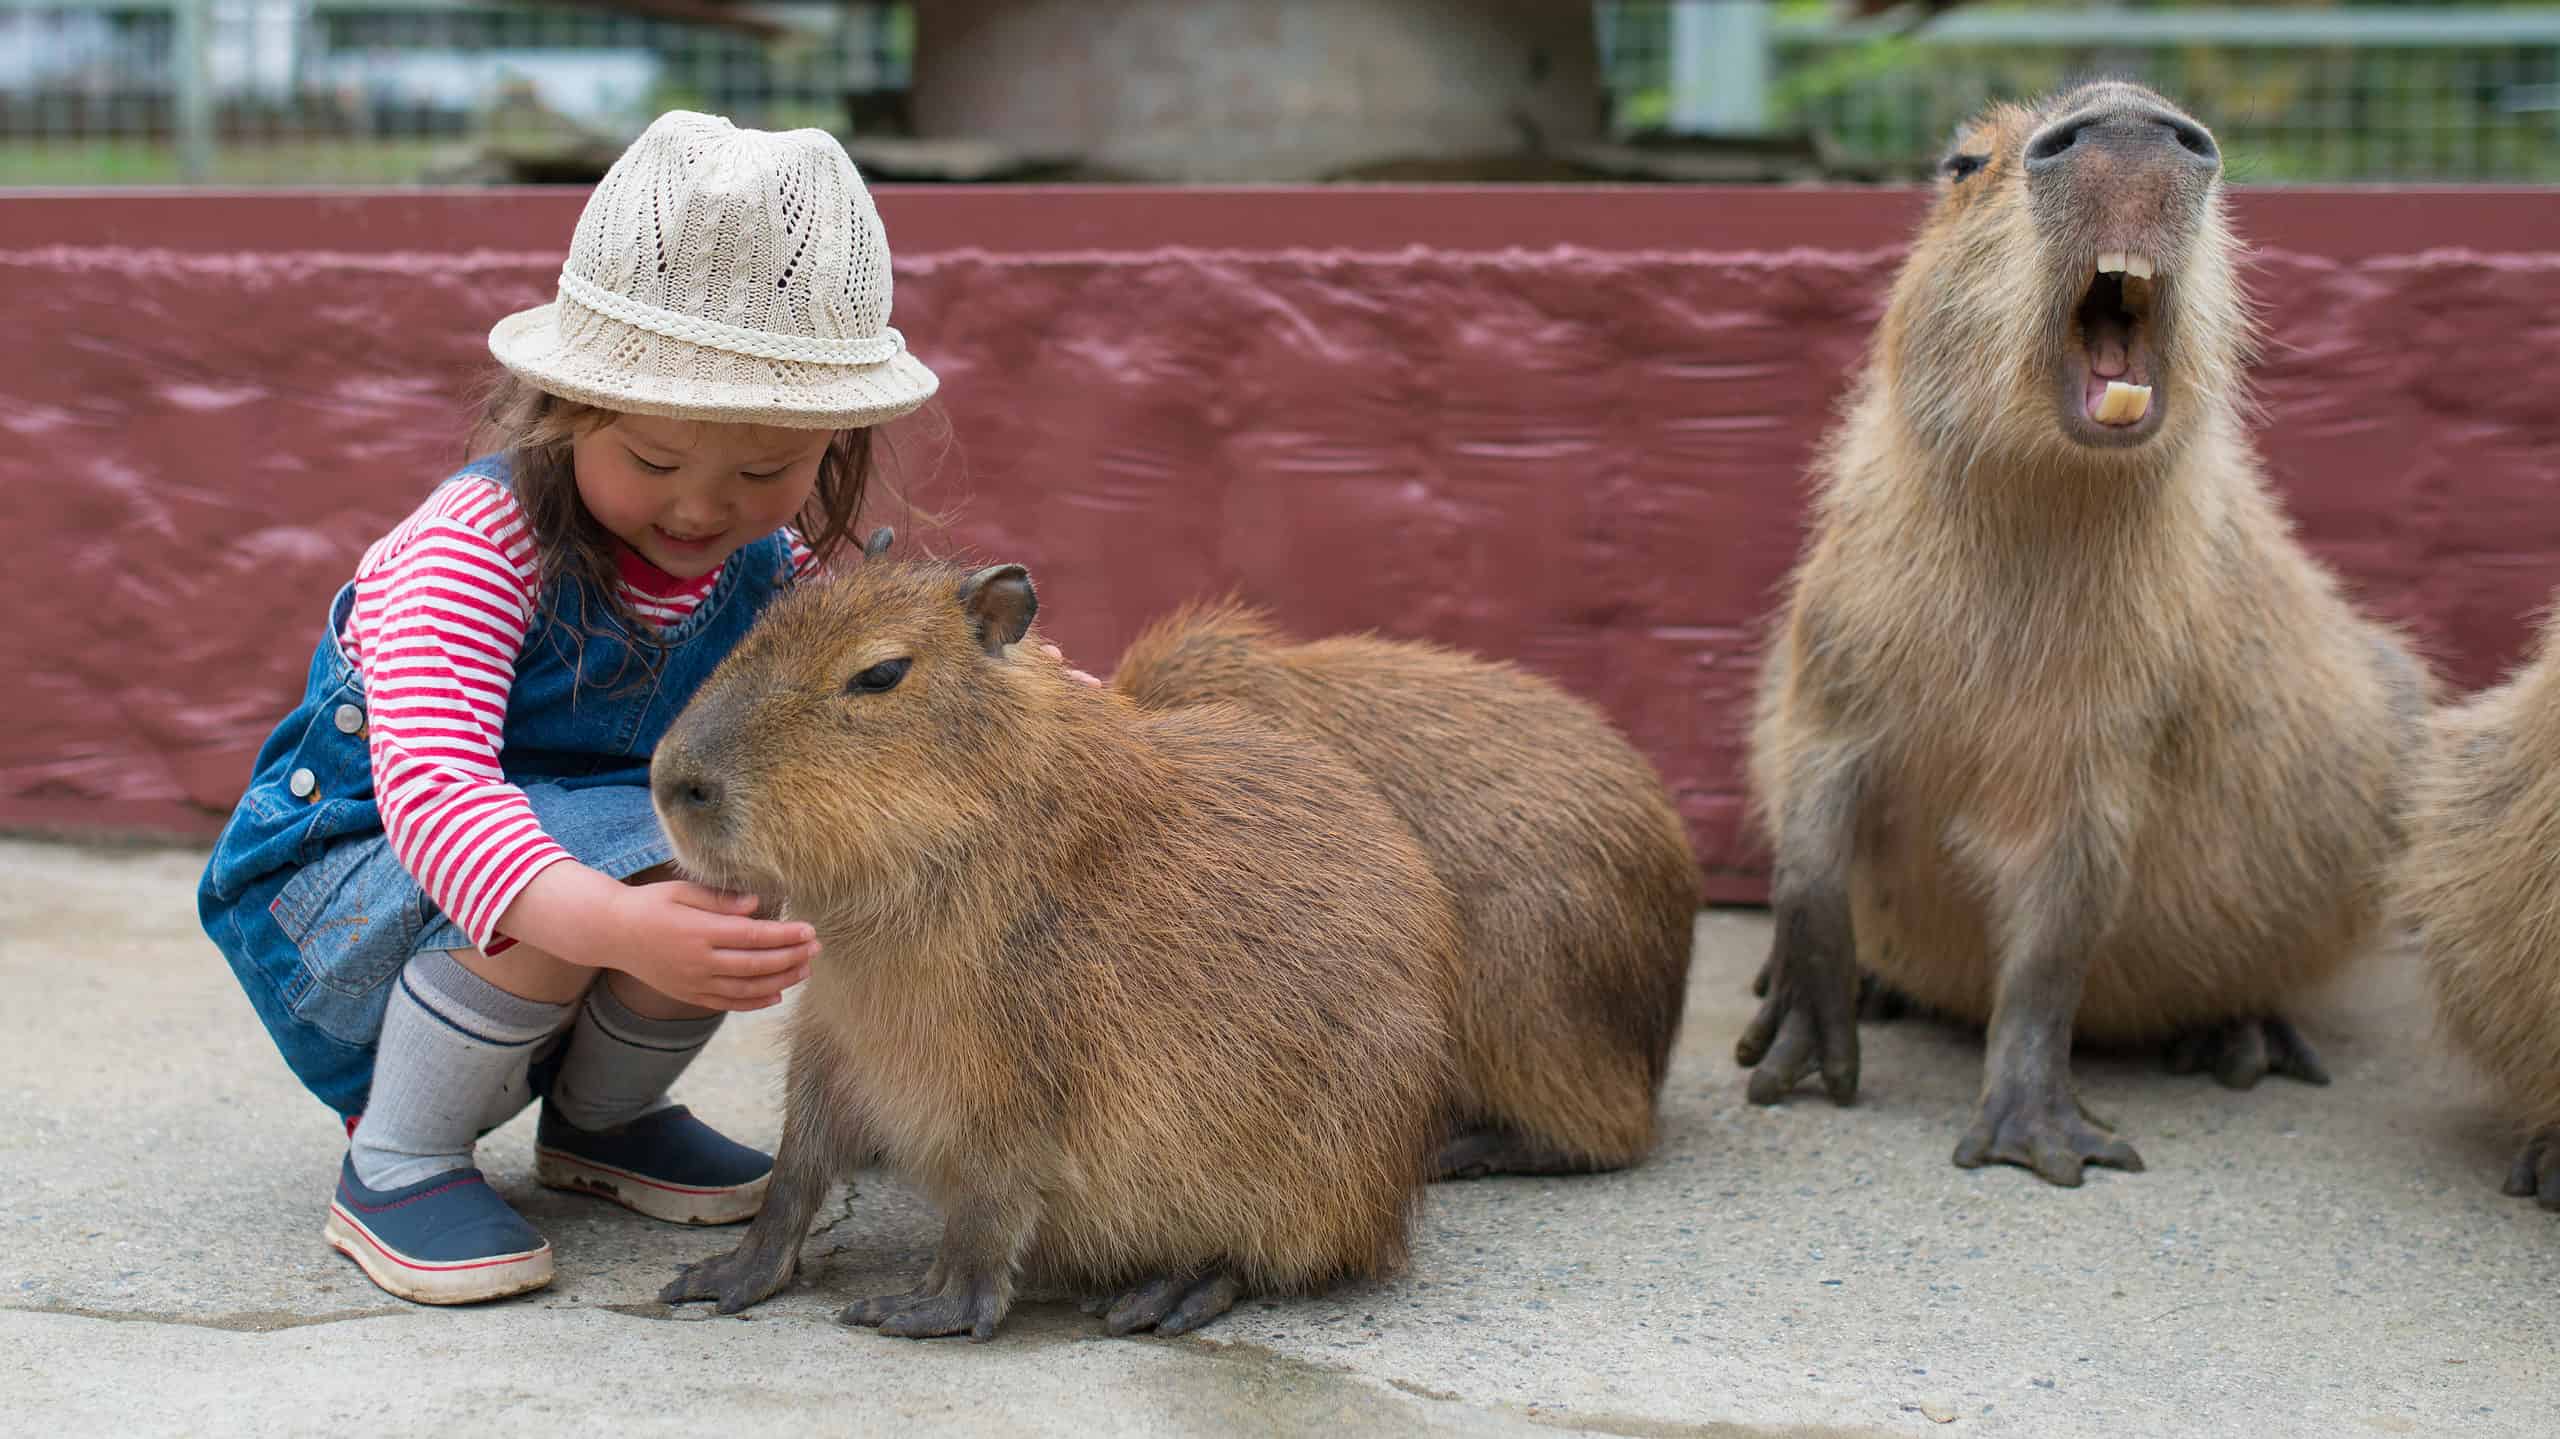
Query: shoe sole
(467, 1281)
(674, 1203)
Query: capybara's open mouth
(2107, 361)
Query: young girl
(445, 890)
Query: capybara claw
(1497, 1149)
(1173, 1304)
(736, 1281)
(960, 1306)
(2240, 1053)
(2536, 1175)
(2041, 1128)
(1785, 1043)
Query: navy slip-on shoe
(667, 1165)
(448, 1239)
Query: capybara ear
(878, 545)
(1000, 603)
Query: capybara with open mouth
(2062, 731)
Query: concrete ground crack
(246, 1321)
(844, 1215)
(643, 1309)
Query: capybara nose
(681, 793)
(2140, 133)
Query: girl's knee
(528, 973)
(648, 1003)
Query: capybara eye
(882, 676)
(1959, 166)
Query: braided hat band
(737, 339)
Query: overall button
(350, 719)
(302, 782)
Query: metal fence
(371, 91)
(2411, 92)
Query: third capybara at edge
(1151, 1005)
(2061, 729)
(2481, 892)
(1574, 877)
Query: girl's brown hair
(536, 429)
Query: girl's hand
(703, 946)
(1053, 652)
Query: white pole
(194, 85)
(1720, 67)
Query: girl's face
(686, 494)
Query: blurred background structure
(371, 92)
(1509, 324)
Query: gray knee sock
(450, 1042)
(619, 1063)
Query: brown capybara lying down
(1149, 1003)
(2062, 731)
(1576, 886)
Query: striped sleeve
(804, 563)
(441, 613)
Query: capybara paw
(961, 1306)
(1879, 1002)
(2242, 1052)
(2043, 1129)
(1479, 1153)
(2536, 1175)
(868, 1313)
(1786, 1041)
(1174, 1304)
(737, 1279)
(1808, 1022)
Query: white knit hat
(724, 274)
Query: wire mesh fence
(398, 91)
(372, 91)
(2310, 93)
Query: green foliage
(2336, 113)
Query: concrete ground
(2296, 1261)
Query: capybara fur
(1576, 886)
(2061, 730)
(2480, 888)
(1153, 1002)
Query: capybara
(2480, 888)
(2061, 730)
(1576, 886)
(1153, 1004)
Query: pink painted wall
(1567, 427)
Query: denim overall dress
(303, 893)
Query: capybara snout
(2111, 135)
(2120, 121)
(2118, 170)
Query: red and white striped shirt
(442, 608)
